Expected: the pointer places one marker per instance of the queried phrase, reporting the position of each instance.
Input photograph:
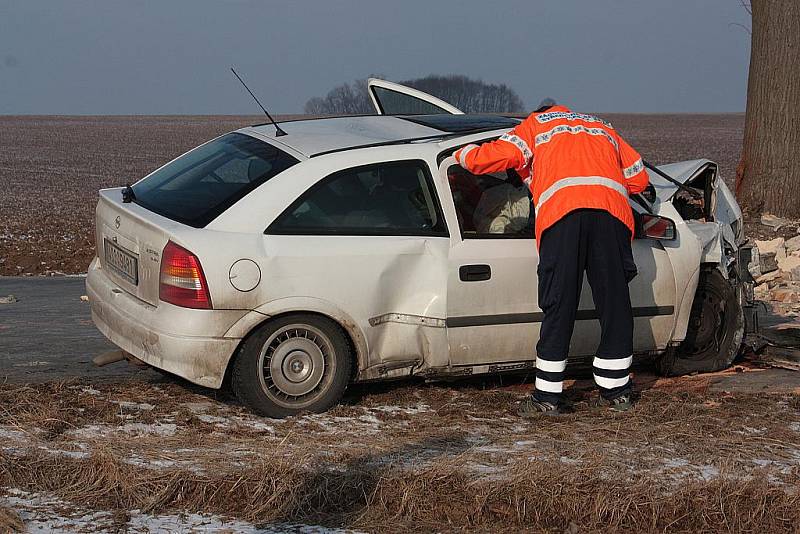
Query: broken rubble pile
(778, 270)
(778, 255)
(793, 245)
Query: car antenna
(278, 131)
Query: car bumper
(747, 258)
(168, 337)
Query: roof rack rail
(316, 118)
(443, 135)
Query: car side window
(395, 103)
(491, 205)
(394, 198)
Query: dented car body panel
(405, 302)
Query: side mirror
(654, 227)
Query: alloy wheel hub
(294, 360)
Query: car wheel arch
(671, 363)
(684, 307)
(256, 319)
(687, 300)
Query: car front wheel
(716, 328)
(293, 364)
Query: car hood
(727, 209)
(681, 171)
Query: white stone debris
(775, 222)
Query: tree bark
(768, 176)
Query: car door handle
(474, 273)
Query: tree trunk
(768, 176)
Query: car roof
(312, 137)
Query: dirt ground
(52, 167)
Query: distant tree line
(345, 99)
(468, 95)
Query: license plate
(122, 262)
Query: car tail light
(182, 281)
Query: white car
(355, 248)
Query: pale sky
(172, 57)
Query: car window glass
(491, 205)
(393, 199)
(394, 103)
(233, 171)
(198, 186)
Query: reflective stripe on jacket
(571, 161)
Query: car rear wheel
(293, 364)
(716, 328)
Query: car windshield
(196, 187)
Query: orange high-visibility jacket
(570, 160)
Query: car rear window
(198, 186)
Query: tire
(293, 364)
(716, 328)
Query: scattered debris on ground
(429, 457)
(776, 223)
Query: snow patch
(142, 406)
(137, 429)
(410, 410)
(13, 435)
(198, 407)
(45, 513)
(78, 455)
(674, 463)
(213, 419)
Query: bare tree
(470, 96)
(768, 175)
(345, 99)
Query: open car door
(391, 98)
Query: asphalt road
(48, 333)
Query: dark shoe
(533, 408)
(623, 403)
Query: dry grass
(437, 496)
(10, 521)
(415, 458)
(550, 497)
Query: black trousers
(598, 243)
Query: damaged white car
(294, 262)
